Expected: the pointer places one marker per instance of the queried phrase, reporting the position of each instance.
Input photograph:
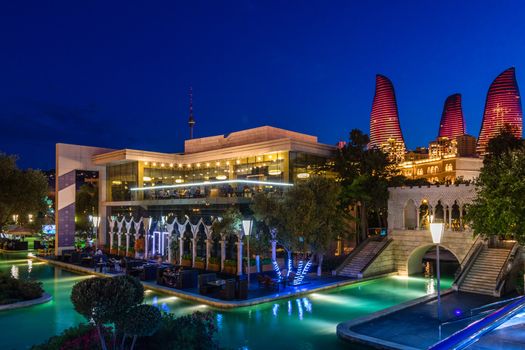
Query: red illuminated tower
(384, 119)
(502, 108)
(452, 123)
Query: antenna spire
(191, 119)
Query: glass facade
(121, 178)
(279, 167)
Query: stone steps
(355, 266)
(483, 274)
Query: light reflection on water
(309, 321)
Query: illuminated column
(181, 249)
(208, 248)
(418, 212)
(450, 217)
(274, 248)
(239, 257)
(223, 252)
(193, 251)
(169, 247)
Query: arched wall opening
(423, 260)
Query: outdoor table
(217, 284)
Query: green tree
(498, 209)
(230, 223)
(271, 213)
(314, 215)
(140, 321)
(106, 300)
(365, 175)
(22, 192)
(86, 204)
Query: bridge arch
(415, 257)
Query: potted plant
(131, 252)
(230, 266)
(253, 266)
(186, 260)
(214, 264)
(200, 262)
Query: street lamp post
(247, 225)
(437, 229)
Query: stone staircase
(354, 266)
(482, 277)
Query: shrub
(190, 332)
(214, 260)
(266, 261)
(13, 290)
(81, 337)
(200, 259)
(230, 262)
(186, 257)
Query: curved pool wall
(307, 322)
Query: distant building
(385, 130)
(502, 109)
(212, 174)
(452, 122)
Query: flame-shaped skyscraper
(385, 131)
(502, 109)
(384, 119)
(452, 122)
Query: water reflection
(15, 271)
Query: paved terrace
(413, 325)
(256, 295)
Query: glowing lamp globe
(437, 229)
(247, 226)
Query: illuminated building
(385, 131)
(452, 123)
(212, 174)
(502, 109)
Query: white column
(169, 248)
(208, 248)
(418, 212)
(181, 249)
(450, 217)
(119, 240)
(193, 251)
(127, 243)
(239, 258)
(223, 253)
(111, 234)
(153, 245)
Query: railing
(468, 260)
(352, 254)
(506, 301)
(385, 245)
(470, 334)
(506, 268)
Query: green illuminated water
(305, 323)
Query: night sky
(116, 74)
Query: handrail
(468, 260)
(493, 304)
(387, 243)
(504, 271)
(470, 334)
(351, 255)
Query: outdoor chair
(148, 273)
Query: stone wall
(384, 263)
(405, 252)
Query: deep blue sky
(116, 74)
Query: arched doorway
(410, 215)
(422, 260)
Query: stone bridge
(405, 252)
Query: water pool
(307, 322)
